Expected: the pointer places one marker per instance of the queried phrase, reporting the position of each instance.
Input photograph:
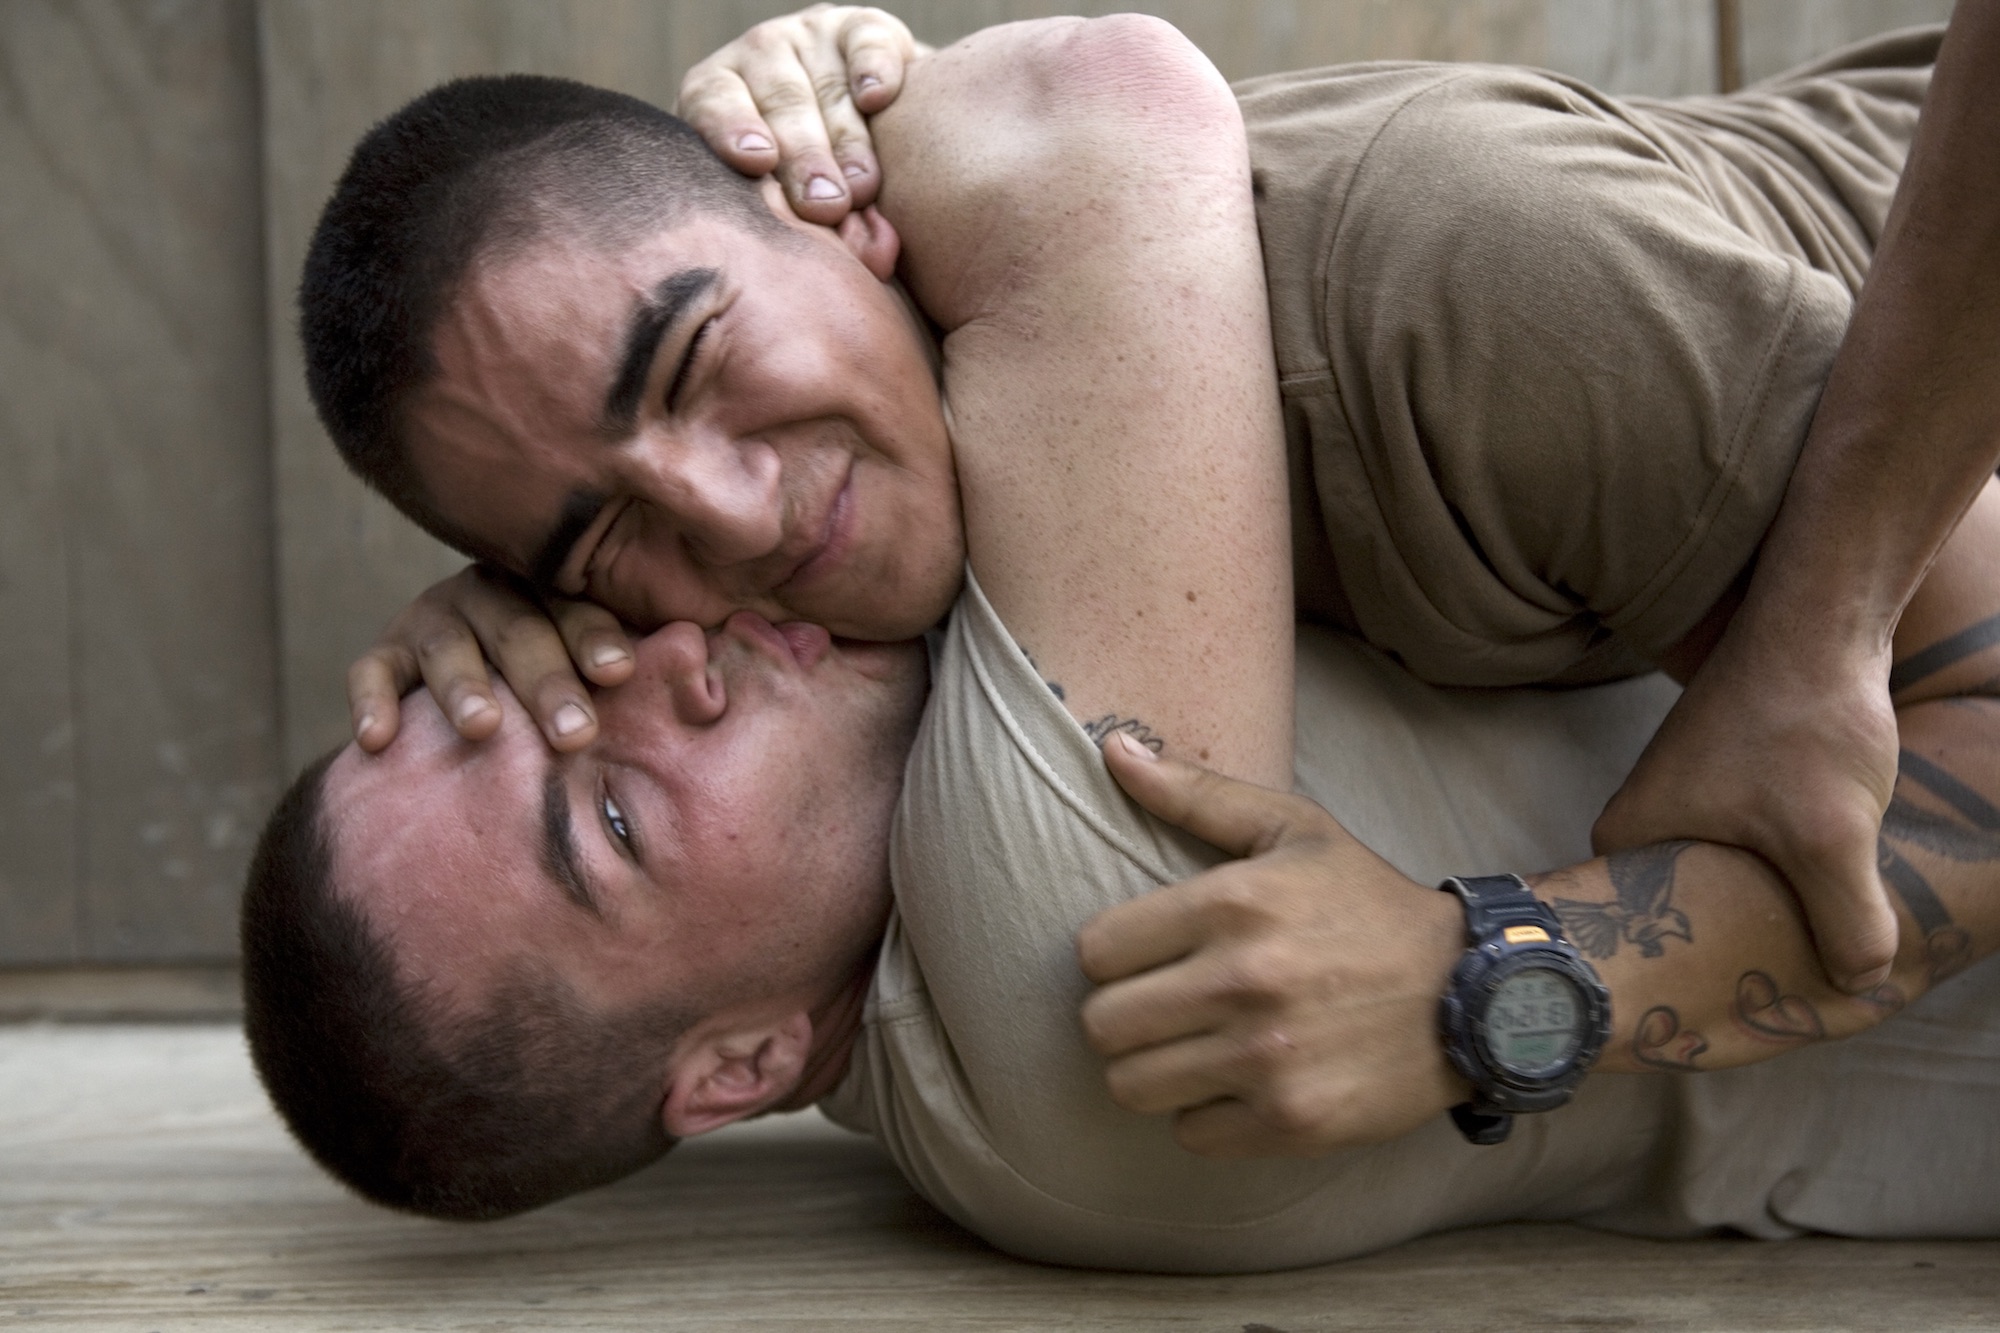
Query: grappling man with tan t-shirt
(1550, 629)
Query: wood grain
(1777, 36)
(144, 1185)
(140, 707)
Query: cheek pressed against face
(710, 419)
(727, 831)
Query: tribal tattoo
(1641, 914)
(1925, 663)
(1969, 834)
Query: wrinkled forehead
(434, 838)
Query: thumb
(1852, 922)
(1240, 818)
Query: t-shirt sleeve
(1575, 389)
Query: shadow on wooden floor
(144, 1185)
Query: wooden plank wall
(137, 623)
(184, 568)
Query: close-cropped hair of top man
(1545, 363)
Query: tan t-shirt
(1553, 356)
(1010, 834)
(972, 1072)
(1553, 353)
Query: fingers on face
(375, 688)
(597, 643)
(454, 670)
(875, 47)
(792, 96)
(715, 100)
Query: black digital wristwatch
(1525, 1015)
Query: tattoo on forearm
(1643, 912)
(1764, 1011)
(1978, 811)
(1947, 945)
(1103, 728)
(1927, 662)
(1659, 1042)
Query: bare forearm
(1909, 426)
(1708, 956)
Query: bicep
(1113, 398)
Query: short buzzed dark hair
(533, 1099)
(473, 167)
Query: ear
(870, 238)
(727, 1071)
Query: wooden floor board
(145, 1186)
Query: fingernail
(753, 143)
(606, 654)
(470, 707)
(854, 171)
(822, 187)
(365, 725)
(865, 82)
(1134, 748)
(570, 719)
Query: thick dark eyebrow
(650, 323)
(559, 856)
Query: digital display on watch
(1533, 1021)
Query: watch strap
(1495, 902)
(1482, 1125)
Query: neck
(836, 1023)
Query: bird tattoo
(1642, 913)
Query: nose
(724, 495)
(676, 657)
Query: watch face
(1534, 1022)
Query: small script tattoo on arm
(1104, 728)
(1642, 913)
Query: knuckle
(1236, 981)
(440, 646)
(1100, 1027)
(1292, 1111)
(1232, 903)
(790, 100)
(1126, 1089)
(523, 635)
